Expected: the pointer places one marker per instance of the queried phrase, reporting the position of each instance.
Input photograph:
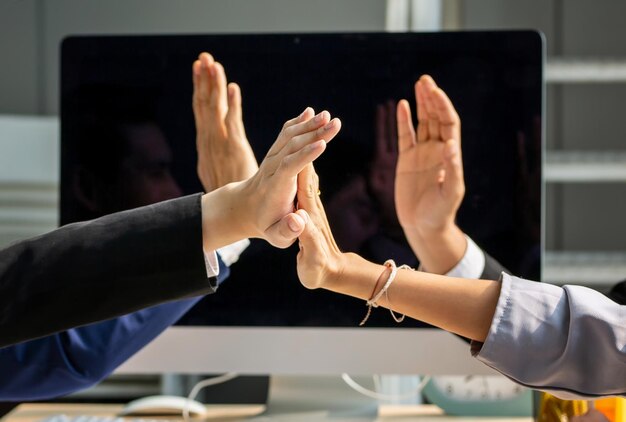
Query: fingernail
(320, 117)
(305, 111)
(293, 225)
(212, 70)
(330, 125)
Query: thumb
(285, 231)
(307, 236)
(453, 164)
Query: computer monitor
(262, 320)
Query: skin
(224, 153)
(455, 304)
(263, 205)
(429, 183)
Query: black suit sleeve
(87, 272)
(493, 269)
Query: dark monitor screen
(124, 94)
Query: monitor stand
(323, 397)
(244, 389)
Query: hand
(263, 205)
(429, 184)
(224, 153)
(272, 190)
(319, 258)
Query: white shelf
(593, 269)
(559, 70)
(585, 166)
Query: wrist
(353, 275)
(438, 250)
(225, 216)
(431, 233)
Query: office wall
(586, 217)
(33, 29)
(18, 51)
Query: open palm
(429, 175)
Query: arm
(81, 357)
(92, 271)
(569, 339)
(88, 272)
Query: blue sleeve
(79, 358)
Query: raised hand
(274, 186)
(319, 258)
(263, 205)
(429, 183)
(224, 153)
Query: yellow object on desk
(553, 409)
(614, 408)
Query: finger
(206, 61)
(280, 142)
(195, 72)
(217, 95)
(431, 111)
(305, 115)
(308, 185)
(450, 123)
(422, 116)
(299, 128)
(406, 132)
(234, 119)
(286, 230)
(287, 134)
(453, 184)
(310, 236)
(293, 164)
(327, 132)
(196, 69)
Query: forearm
(225, 218)
(92, 271)
(438, 250)
(454, 304)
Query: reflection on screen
(128, 139)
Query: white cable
(387, 397)
(203, 384)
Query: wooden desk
(36, 412)
(422, 413)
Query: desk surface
(35, 412)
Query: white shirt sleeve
(211, 264)
(472, 264)
(229, 254)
